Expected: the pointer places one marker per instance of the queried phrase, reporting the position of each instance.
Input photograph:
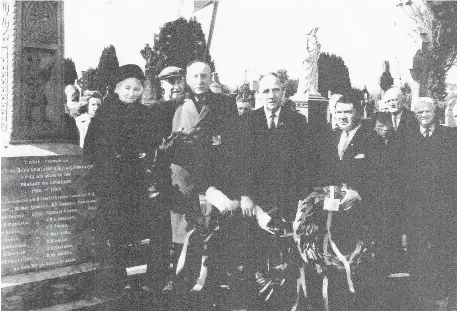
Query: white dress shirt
(430, 132)
(345, 139)
(268, 114)
(396, 120)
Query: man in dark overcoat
(431, 170)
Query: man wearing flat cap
(172, 82)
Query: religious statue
(308, 83)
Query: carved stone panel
(36, 71)
(39, 22)
(35, 60)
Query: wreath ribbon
(341, 257)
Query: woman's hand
(247, 206)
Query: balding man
(403, 121)
(196, 124)
(402, 118)
(280, 139)
(281, 170)
(431, 172)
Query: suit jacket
(431, 178)
(360, 164)
(408, 123)
(234, 157)
(360, 169)
(282, 171)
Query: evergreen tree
(333, 75)
(178, 43)
(88, 80)
(290, 88)
(386, 80)
(107, 66)
(282, 75)
(69, 72)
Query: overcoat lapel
(186, 116)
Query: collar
(431, 129)
(268, 112)
(398, 115)
(352, 132)
(201, 97)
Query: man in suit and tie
(281, 147)
(280, 172)
(402, 118)
(350, 158)
(403, 121)
(431, 167)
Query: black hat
(171, 71)
(129, 71)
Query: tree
(282, 75)
(107, 66)
(88, 80)
(386, 80)
(290, 88)
(333, 75)
(69, 72)
(437, 26)
(178, 43)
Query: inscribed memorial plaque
(47, 210)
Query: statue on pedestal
(307, 98)
(308, 82)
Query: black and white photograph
(229, 155)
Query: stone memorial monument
(47, 243)
(307, 97)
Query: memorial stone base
(47, 240)
(314, 107)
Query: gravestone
(47, 205)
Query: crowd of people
(224, 202)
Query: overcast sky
(253, 35)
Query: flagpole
(211, 27)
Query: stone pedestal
(314, 107)
(47, 240)
(33, 99)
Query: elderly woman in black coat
(121, 142)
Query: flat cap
(171, 71)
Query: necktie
(395, 123)
(427, 133)
(272, 121)
(344, 142)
